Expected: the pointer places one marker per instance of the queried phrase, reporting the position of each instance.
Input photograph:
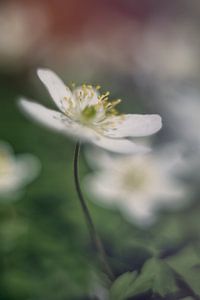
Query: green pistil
(135, 180)
(89, 112)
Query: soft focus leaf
(187, 265)
(155, 276)
(120, 288)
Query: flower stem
(92, 230)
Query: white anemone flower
(87, 115)
(15, 171)
(137, 185)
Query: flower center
(89, 112)
(135, 180)
(88, 106)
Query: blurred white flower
(179, 105)
(21, 28)
(138, 185)
(87, 115)
(168, 51)
(15, 171)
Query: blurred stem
(92, 230)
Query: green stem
(92, 230)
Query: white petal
(120, 145)
(57, 121)
(133, 125)
(170, 194)
(99, 158)
(43, 115)
(139, 211)
(56, 87)
(170, 159)
(102, 189)
(27, 167)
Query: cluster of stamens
(88, 92)
(86, 105)
(109, 106)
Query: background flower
(15, 171)
(18, 40)
(138, 185)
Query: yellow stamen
(72, 84)
(116, 102)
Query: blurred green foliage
(45, 251)
(43, 246)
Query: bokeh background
(145, 52)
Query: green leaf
(187, 265)
(120, 288)
(155, 276)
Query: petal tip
(142, 149)
(156, 122)
(21, 102)
(41, 72)
(159, 121)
